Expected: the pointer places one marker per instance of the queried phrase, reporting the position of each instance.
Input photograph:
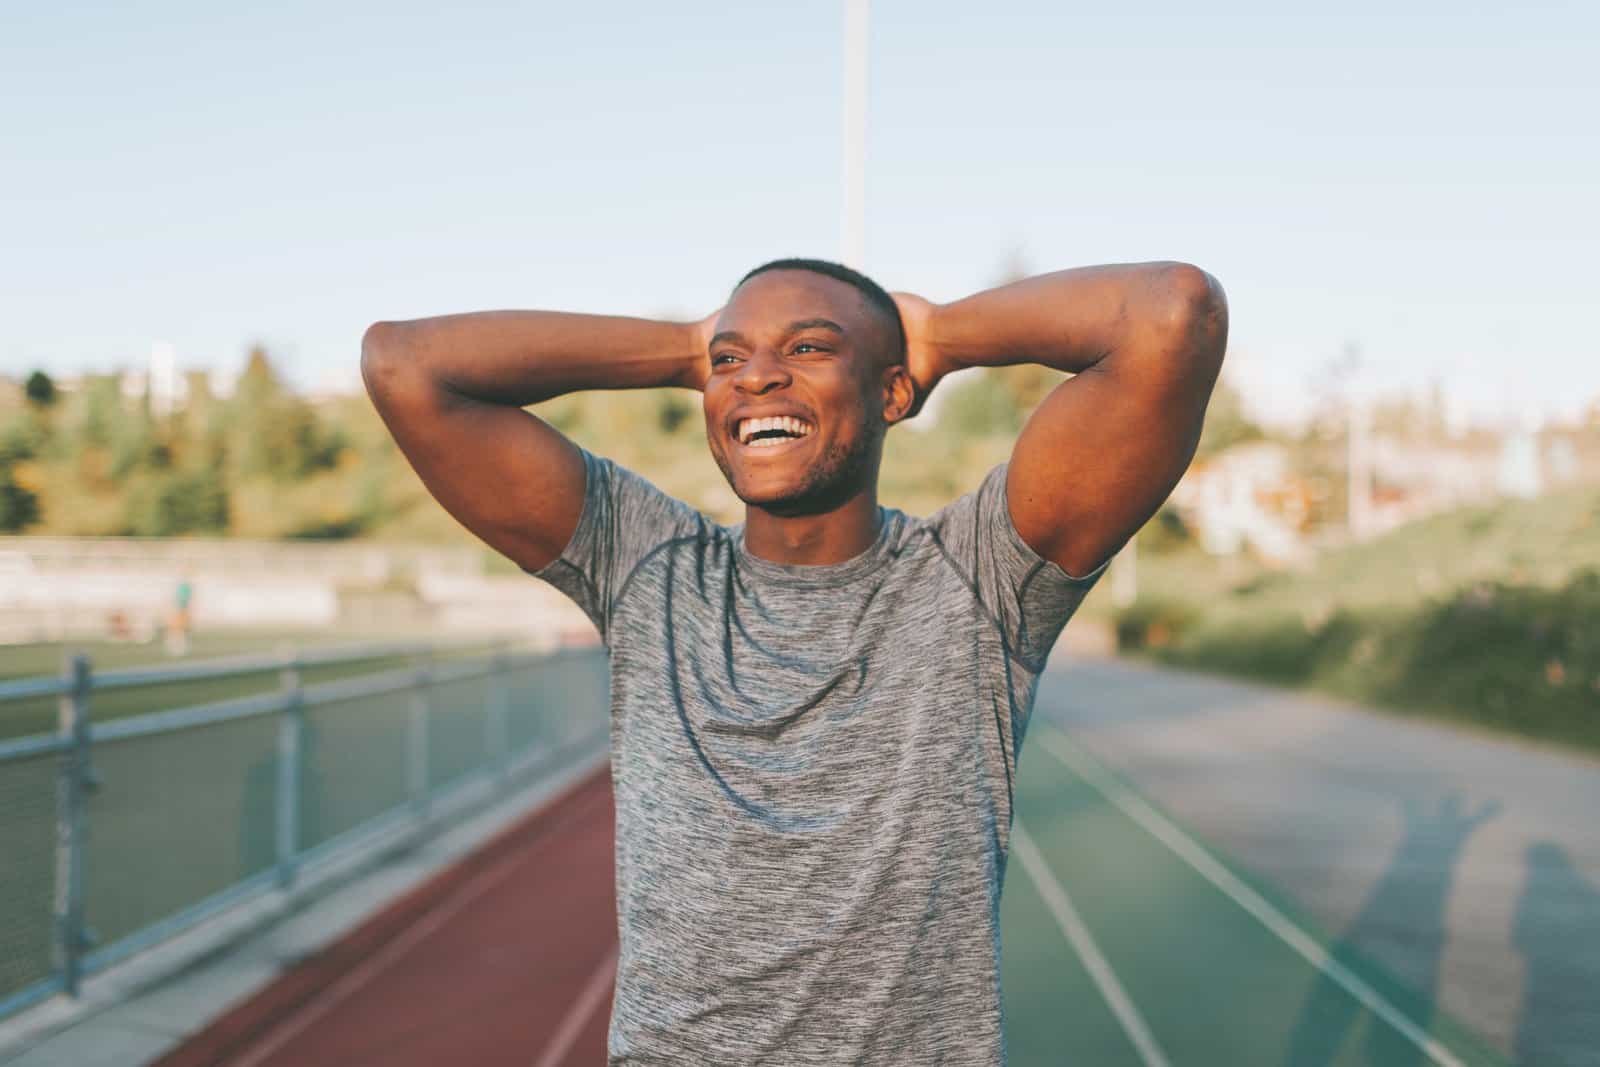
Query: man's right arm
(451, 390)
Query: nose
(761, 373)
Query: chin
(800, 488)
(766, 491)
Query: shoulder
(957, 526)
(637, 501)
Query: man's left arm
(1103, 450)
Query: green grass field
(176, 818)
(32, 716)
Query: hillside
(1486, 615)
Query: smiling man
(816, 714)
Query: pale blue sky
(1420, 183)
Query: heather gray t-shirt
(813, 770)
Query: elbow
(379, 343)
(1193, 309)
(1189, 292)
(382, 357)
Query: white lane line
(1094, 962)
(593, 995)
(1193, 853)
(373, 966)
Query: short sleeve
(624, 519)
(1027, 596)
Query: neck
(830, 537)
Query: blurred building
(1250, 497)
(1247, 497)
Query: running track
(505, 959)
(1128, 942)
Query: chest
(802, 703)
(727, 648)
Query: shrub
(19, 506)
(40, 389)
(178, 503)
(1153, 622)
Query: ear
(899, 394)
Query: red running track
(507, 958)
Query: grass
(19, 718)
(1484, 615)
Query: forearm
(518, 358)
(1071, 319)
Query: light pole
(1359, 464)
(853, 235)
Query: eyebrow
(794, 327)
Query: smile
(773, 433)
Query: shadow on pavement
(1557, 930)
(1407, 906)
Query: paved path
(1466, 867)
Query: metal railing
(117, 835)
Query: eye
(720, 357)
(808, 344)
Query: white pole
(1360, 468)
(1125, 574)
(854, 231)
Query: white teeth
(787, 423)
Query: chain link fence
(117, 835)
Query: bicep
(1105, 448)
(505, 474)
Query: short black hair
(876, 295)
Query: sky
(1413, 185)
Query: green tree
(672, 410)
(102, 410)
(179, 502)
(137, 444)
(273, 432)
(1166, 531)
(1226, 424)
(23, 437)
(19, 505)
(40, 389)
(979, 406)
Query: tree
(40, 389)
(102, 409)
(276, 433)
(672, 411)
(1226, 423)
(179, 502)
(19, 505)
(980, 406)
(23, 438)
(136, 444)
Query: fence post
(291, 749)
(74, 779)
(418, 740)
(497, 738)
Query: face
(798, 394)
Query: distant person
(817, 712)
(118, 626)
(179, 620)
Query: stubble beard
(837, 475)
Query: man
(179, 620)
(815, 714)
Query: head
(817, 343)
